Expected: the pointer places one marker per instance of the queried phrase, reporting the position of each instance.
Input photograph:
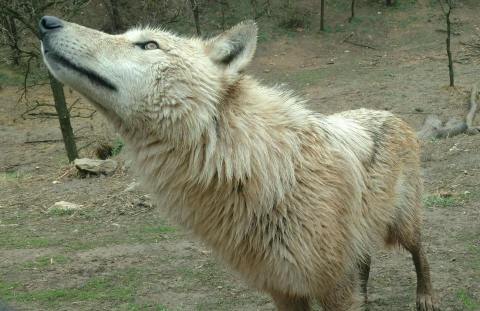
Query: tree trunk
(14, 40)
(449, 51)
(268, 8)
(254, 8)
(196, 15)
(9, 25)
(352, 16)
(114, 14)
(63, 118)
(223, 6)
(322, 15)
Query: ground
(121, 253)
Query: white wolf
(291, 199)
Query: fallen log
(433, 127)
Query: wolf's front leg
(345, 296)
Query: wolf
(293, 200)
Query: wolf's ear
(234, 48)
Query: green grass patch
(12, 176)
(10, 76)
(56, 211)
(45, 261)
(468, 301)
(5, 287)
(439, 201)
(19, 238)
(115, 289)
(9, 175)
(143, 307)
(118, 145)
(27, 242)
(83, 235)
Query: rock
(143, 202)
(65, 206)
(93, 166)
(131, 187)
(127, 165)
(454, 148)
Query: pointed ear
(234, 48)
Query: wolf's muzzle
(48, 24)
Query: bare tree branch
(28, 24)
(25, 79)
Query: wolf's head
(148, 78)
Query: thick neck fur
(249, 144)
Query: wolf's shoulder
(365, 115)
(371, 120)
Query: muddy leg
(406, 231)
(364, 268)
(285, 302)
(425, 301)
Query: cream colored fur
(291, 199)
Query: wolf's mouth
(90, 74)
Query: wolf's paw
(426, 303)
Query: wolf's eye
(150, 45)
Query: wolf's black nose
(49, 23)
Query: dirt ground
(121, 253)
